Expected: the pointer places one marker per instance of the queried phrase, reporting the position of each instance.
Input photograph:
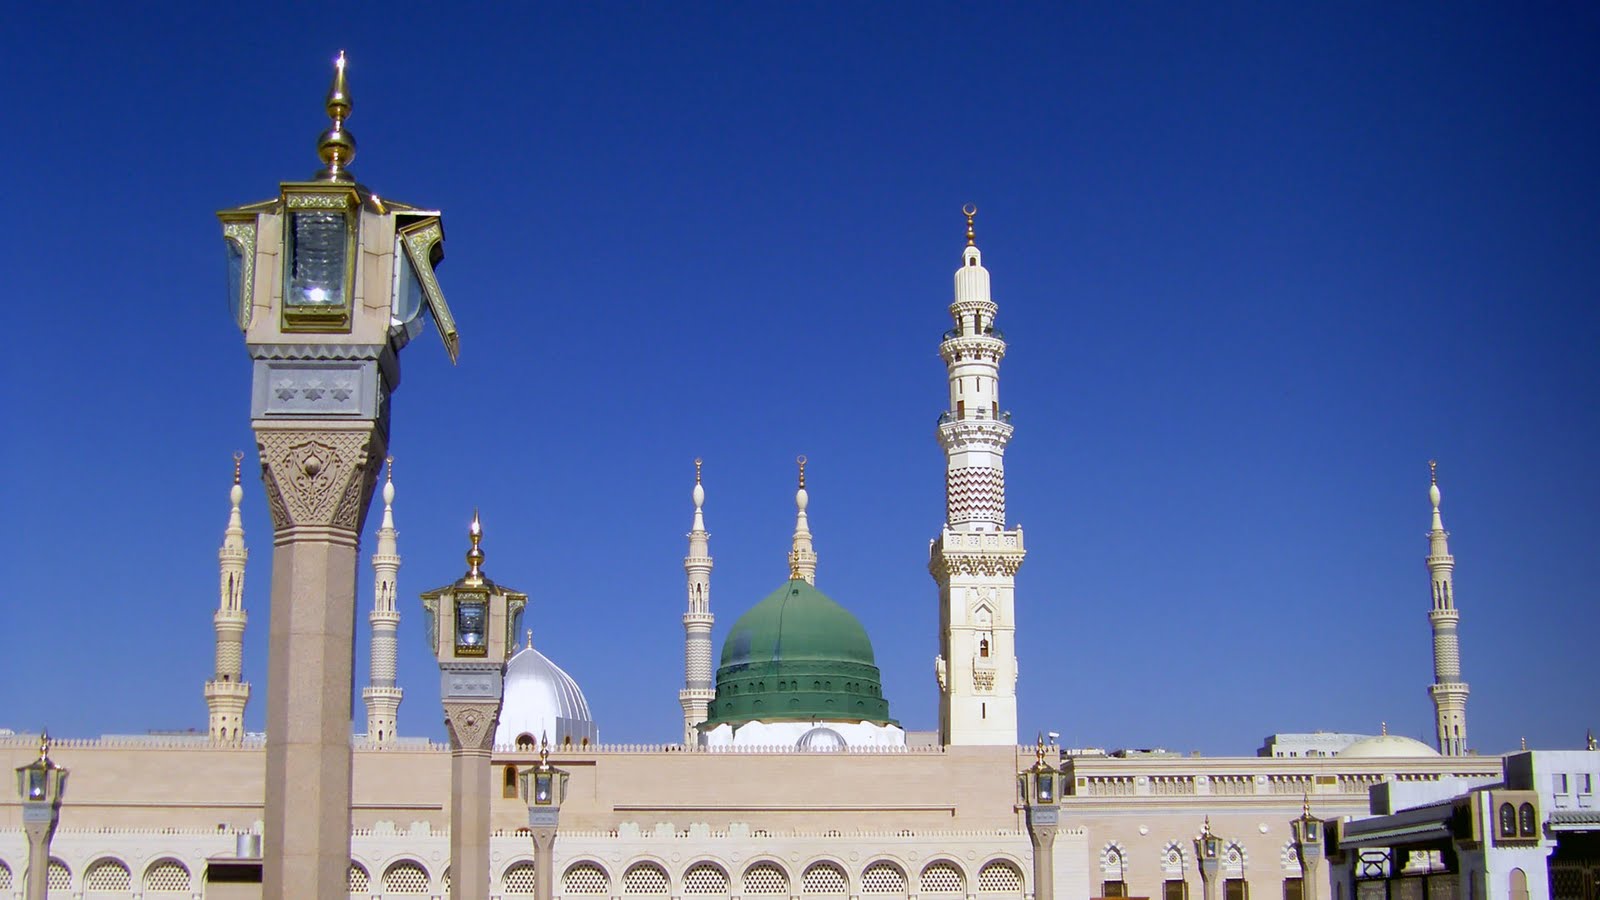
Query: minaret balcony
(949, 416)
(989, 332)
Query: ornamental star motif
(342, 390)
(313, 389)
(285, 389)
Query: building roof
(542, 702)
(798, 655)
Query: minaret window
(983, 648)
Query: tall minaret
(383, 694)
(1449, 692)
(698, 690)
(802, 556)
(975, 558)
(227, 692)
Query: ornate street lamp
(40, 785)
(1041, 793)
(328, 282)
(1208, 851)
(1308, 842)
(471, 626)
(544, 788)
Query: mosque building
(791, 777)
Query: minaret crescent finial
(697, 463)
(971, 210)
(238, 460)
(336, 146)
(1433, 471)
(801, 461)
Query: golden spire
(1433, 471)
(1385, 727)
(544, 751)
(475, 555)
(44, 746)
(1524, 742)
(1038, 750)
(801, 460)
(1205, 827)
(388, 468)
(1305, 806)
(697, 462)
(971, 209)
(238, 457)
(336, 146)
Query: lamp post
(40, 785)
(1208, 851)
(328, 283)
(544, 787)
(1308, 841)
(1041, 790)
(470, 624)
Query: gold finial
(1590, 741)
(238, 458)
(1524, 742)
(388, 468)
(697, 462)
(527, 638)
(44, 746)
(544, 751)
(1385, 728)
(1205, 827)
(801, 459)
(475, 555)
(1305, 806)
(336, 146)
(971, 209)
(1433, 471)
(1038, 750)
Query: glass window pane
(317, 251)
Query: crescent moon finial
(971, 210)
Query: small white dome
(1388, 745)
(542, 701)
(821, 739)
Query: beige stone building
(848, 807)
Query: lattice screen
(823, 878)
(644, 878)
(166, 875)
(585, 878)
(360, 881)
(405, 878)
(705, 878)
(519, 879)
(999, 877)
(883, 878)
(58, 877)
(765, 878)
(941, 878)
(107, 875)
(5, 877)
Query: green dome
(798, 655)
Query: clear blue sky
(1256, 264)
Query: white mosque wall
(788, 734)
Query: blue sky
(1257, 264)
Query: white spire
(976, 556)
(802, 556)
(698, 691)
(226, 692)
(383, 695)
(1448, 691)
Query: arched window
(405, 877)
(883, 878)
(519, 879)
(360, 881)
(983, 648)
(168, 875)
(1508, 820)
(1527, 823)
(824, 879)
(645, 879)
(524, 741)
(508, 783)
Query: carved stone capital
(320, 477)
(544, 839)
(471, 725)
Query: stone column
(471, 727)
(39, 824)
(319, 478)
(1042, 823)
(1208, 877)
(544, 855)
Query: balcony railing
(990, 332)
(948, 416)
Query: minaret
(227, 692)
(1449, 692)
(382, 696)
(802, 556)
(698, 690)
(975, 558)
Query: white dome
(1390, 745)
(821, 738)
(541, 701)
